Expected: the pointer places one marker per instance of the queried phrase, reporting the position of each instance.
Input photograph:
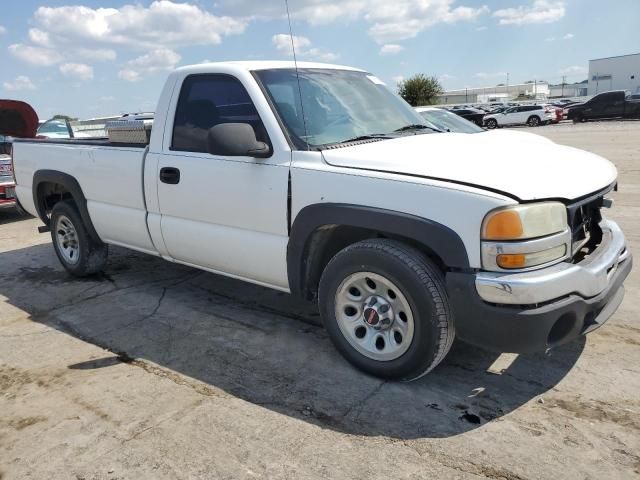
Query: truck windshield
(449, 122)
(337, 105)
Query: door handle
(170, 175)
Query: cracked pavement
(155, 370)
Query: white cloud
(406, 19)
(389, 21)
(321, 55)
(568, 36)
(574, 70)
(20, 83)
(391, 49)
(38, 56)
(482, 29)
(445, 76)
(162, 24)
(397, 79)
(303, 47)
(3, 30)
(94, 54)
(39, 37)
(159, 60)
(79, 71)
(540, 11)
(282, 42)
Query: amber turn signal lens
(504, 225)
(511, 261)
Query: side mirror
(236, 140)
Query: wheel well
(326, 241)
(50, 193)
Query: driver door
(222, 213)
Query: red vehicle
(17, 120)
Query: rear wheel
(386, 310)
(79, 254)
(492, 123)
(578, 119)
(533, 121)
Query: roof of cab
(264, 65)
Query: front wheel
(492, 123)
(79, 254)
(386, 310)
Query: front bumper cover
(551, 310)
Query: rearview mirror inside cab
(236, 140)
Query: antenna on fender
(295, 62)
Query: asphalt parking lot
(159, 371)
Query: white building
(615, 73)
(538, 90)
(568, 90)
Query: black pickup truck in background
(615, 104)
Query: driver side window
(209, 100)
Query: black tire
(578, 119)
(91, 255)
(533, 121)
(492, 123)
(422, 285)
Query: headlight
(525, 236)
(525, 221)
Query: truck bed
(111, 177)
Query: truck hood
(17, 119)
(521, 165)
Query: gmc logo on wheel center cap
(371, 316)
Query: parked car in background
(55, 128)
(474, 115)
(407, 238)
(446, 121)
(531, 115)
(19, 120)
(615, 104)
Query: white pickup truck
(320, 182)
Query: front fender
(438, 238)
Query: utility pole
(564, 80)
(466, 96)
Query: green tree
(420, 90)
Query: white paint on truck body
(229, 214)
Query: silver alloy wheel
(67, 240)
(374, 316)
(533, 121)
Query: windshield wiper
(416, 126)
(363, 137)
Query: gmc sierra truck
(319, 181)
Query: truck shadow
(264, 347)
(11, 215)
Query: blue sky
(90, 58)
